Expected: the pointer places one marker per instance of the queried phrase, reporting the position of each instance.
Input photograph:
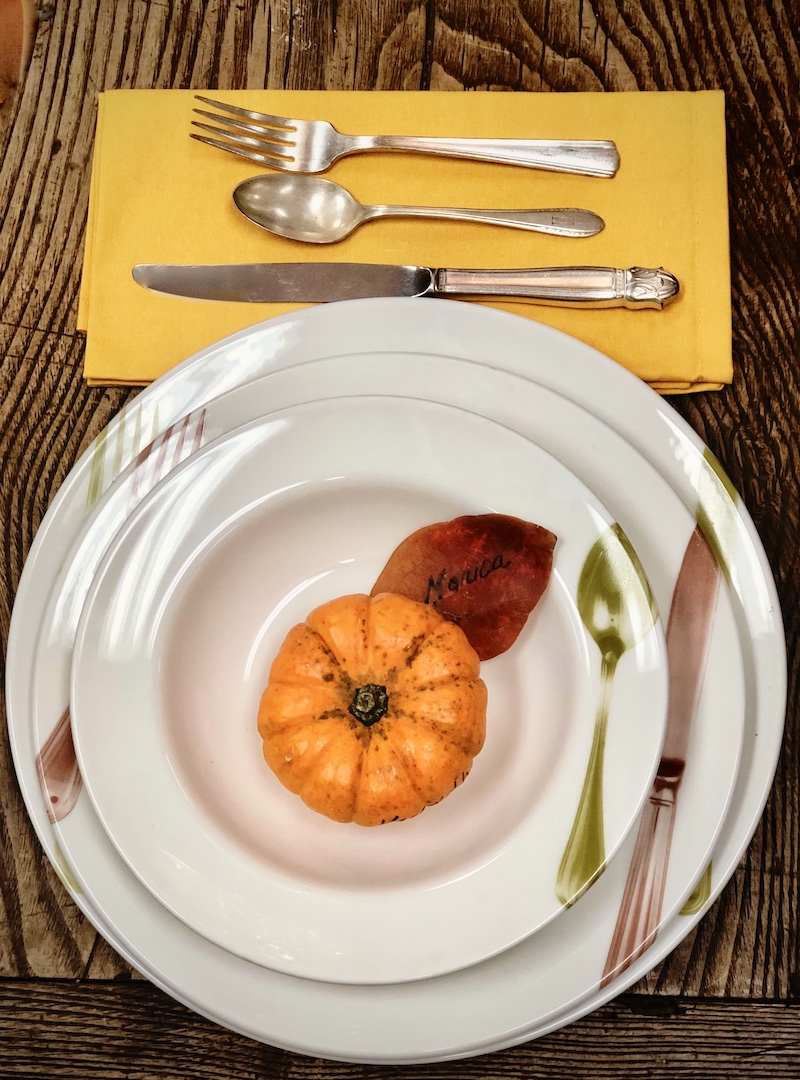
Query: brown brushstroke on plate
(688, 636)
(58, 772)
(56, 764)
(640, 911)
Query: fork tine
(276, 161)
(264, 118)
(264, 145)
(278, 135)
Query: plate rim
(125, 543)
(777, 689)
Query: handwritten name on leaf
(485, 572)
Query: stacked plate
(639, 716)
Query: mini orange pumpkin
(374, 709)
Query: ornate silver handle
(586, 157)
(577, 286)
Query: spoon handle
(566, 221)
(584, 856)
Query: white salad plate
(189, 608)
(647, 466)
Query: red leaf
(485, 572)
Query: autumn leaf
(485, 572)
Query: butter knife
(574, 286)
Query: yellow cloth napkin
(158, 196)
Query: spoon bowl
(618, 609)
(299, 207)
(318, 211)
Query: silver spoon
(320, 212)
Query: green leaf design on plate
(121, 454)
(618, 609)
(700, 895)
(717, 513)
(64, 872)
(96, 469)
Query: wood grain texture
(747, 947)
(125, 1031)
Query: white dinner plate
(629, 481)
(191, 605)
(555, 976)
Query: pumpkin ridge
(344, 686)
(339, 659)
(435, 633)
(400, 759)
(303, 721)
(458, 778)
(311, 682)
(417, 641)
(335, 708)
(401, 755)
(333, 658)
(439, 680)
(308, 765)
(306, 787)
(450, 735)
(417, 644)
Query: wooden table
(723, 1004)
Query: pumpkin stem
(369, 704)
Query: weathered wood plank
(131, 1031)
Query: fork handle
(585, 157)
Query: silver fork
(312, 146)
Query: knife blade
(574, 286)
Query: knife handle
(573, 286)
(639, 914)
(57, 768)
